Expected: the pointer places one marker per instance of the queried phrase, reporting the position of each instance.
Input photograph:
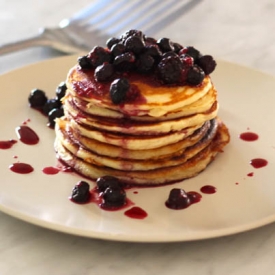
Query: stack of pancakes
(163, 134)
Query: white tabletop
(239, 31)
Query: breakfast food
(141, 110)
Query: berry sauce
(258, 163)
(21, 168)
(27, 135)
(208, 189)
(249, 136)
(251, 174)
(136, 213)
(194, 196)
(50, 170)
(7, 144)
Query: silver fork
(104, 19)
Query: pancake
(149, 127)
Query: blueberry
(170, 53)
(53, 114)
(124, 62)
(134, 44)
(207, 63)
(145, 63)
(154, 51)
(37, 98)
(165, 44)
(107, 181)
(114, 197)
(177, 47)
(118, 49)
(61, 90)
(170, 69)
(187, 60)
(178, 199)
(85, 62)
(118, 90)
(112, 41)
(190, 51)
(81, 192)
(132, 32)
(104, 72)
(51, 104)
(99, 55)
(195, 75)
(150, 40)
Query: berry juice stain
(258, 163)
(27, 135)
(7, 144)
(208, 189)
(249, 136)
(21, 168)
(50, 170)
(136, 213)
(251, 174)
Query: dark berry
(165, 44)
(99, 55)
(114, 197)
(85, 62)
(81, 192)
(169, 54)
(195, 75)
(187, 60)
(51, 104)
(119, 89)
(154, 51)
(37, 98)
(177, 47)
(112, 41)
(150, 40)
(134, 44)
(61, 90)
(145, 63)
(53, 114)
(207, 63)
(107, 181)
(129, 33)
(190, 51)
(104, 72)
(169, 69)
(178, 199)
(118, 49)
(124, 62)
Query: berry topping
(178, 199)
(52, 103)
(190, 51)
(104, 72)
(37, 98)
(114, 197)
(61, 90)
(177, 47)
(195, 75)
(134, 44)
(81, 192)
(107, 181)
(154, 51)
(187, 60)
(118, 49)
(145, 63)
(112, 41)
(85, 62)
(124, 62)
(53, 114)
(165, 44)
(129, 33)
(207, 63)
(99, 55)
(118, 90)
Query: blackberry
(165, 44)
(114, 197)
(118, 49)
(99, 55)
(37, 98)
(53, 114)
(124, 62)
(195, 75)
(104, 72)
(118, 90)
(145, 63)
(178, 199)
(169, 69)
(207, 63)
(134, 44)
(107, 181)
(112, 41)
(85, 62)
(61, 90)
(52, 103)
(81, 192)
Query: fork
(103, 19)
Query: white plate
(246, 102)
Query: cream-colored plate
(241, 202)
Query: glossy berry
(150, 40)
(61, 90)
(81, 192)
(154, 51)
(134, 44)
(53, 114)
(207, 63)
(145, 63)
(112, 41)
(132, 32)
(37, 98)
(195, 75)
(104, 72)
(178, 199)
(187, 60)
(107, 181)
(177, 47)
(165, 44)
(118, 49)
(170, 53)
(114, 197)
(190, 51)
(170, 69)
(51, 104)
(98, 56)
(84, 62)
(118, 90)
(124, 62)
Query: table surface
(240, 32)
